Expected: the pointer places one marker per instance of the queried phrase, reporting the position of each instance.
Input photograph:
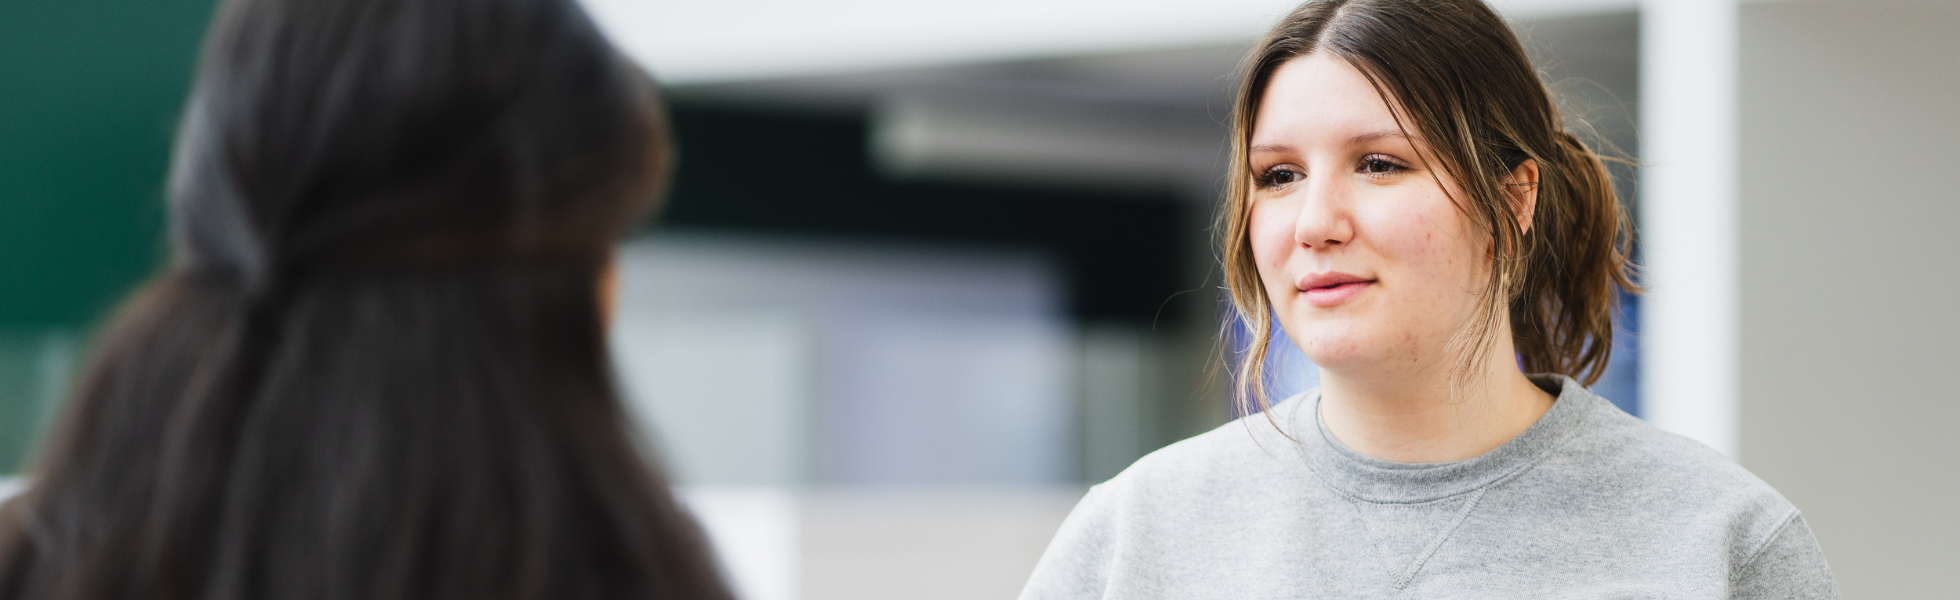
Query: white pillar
(1689, 224)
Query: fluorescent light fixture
(1101, 145)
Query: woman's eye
(1279, 176)
(1375, 165)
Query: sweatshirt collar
(1381, 481)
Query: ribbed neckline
(1381, 481)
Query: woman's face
(1370, 266)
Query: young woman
(376, 367)
(1407, 205)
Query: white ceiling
(688, 42)
(1130, 110)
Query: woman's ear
(1522, 188)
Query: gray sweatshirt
(1589, 502)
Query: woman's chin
(1339, 363)
(1336, 341)
(1337, 355)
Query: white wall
(765, 361)
(1850, 281)
(876, 543)
(959, 544)
(1687, 227)
(855, 421)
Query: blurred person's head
(376, 366)
(1405, 199)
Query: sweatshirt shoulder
(1679, 478)
(1637, 449)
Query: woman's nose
(1323, 221)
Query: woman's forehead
(1320, 99)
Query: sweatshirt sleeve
(1077, 564)
(1790, 565)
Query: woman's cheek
(1272, 239)
(1414, 234)
(1430, 243)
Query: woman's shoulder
(1651, 470)
(1680, 490)
(1613, 441)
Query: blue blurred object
(1287, 372)
(1621, 383)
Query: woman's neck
(1416, 419)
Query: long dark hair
(1463, 84)
(376, 367)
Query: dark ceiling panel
(808, 174)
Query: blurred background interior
(931, 268)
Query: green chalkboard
(89, 95)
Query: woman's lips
(1329, 289)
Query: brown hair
(1461, 80)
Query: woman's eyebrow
(1364, 138)
(1380, 135)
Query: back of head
(376, 367)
